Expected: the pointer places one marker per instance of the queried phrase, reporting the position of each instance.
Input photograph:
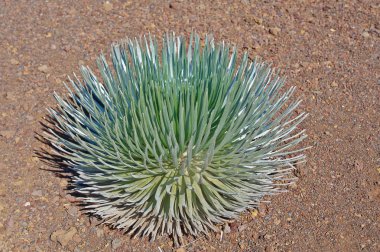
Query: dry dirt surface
(330, 50)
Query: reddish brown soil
(329, 49)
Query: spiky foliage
(178, 142)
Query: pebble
(365, 34)
(262, 209)
(63, 237)
(269, 249)
(94, 221)
(19, 182)
(359, 165)
(227, 229)
(116, 243)
(43, 68)
(258, 20)
(14, 62)
(255, 236)
(7, 133)
(37, 193)
(63, 183)
(374, 194)
(267, 237)
(274, 31)
(241, 245)
(99, 232)
(180, 250)
(254, 213)
(107, 6)
(11, 96)
(73, 211)
(71, 198)
(27, 204)
(334, 84)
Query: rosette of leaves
(176, 140)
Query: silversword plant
(176, 140)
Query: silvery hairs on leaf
(179, 139)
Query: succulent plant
(178, 140)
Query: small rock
(37, 193)
(293, 185)
(334, 84)
(258, 20)
(95, 221)
(43, 68)
(254, 213)
(7, 133)
(274, 31)
(27, 204)
(358, 165)
(53, 47)
(14, 62)
(71, 198)
(19, 182)
(233, 226)
(269, 249)
(262, 209)
(63, 237)
(99, 232)
(227, 229)
(55, 199)
(365, 34)
(255, 236)
(241, 245)
(180, 250)
(63, 183)
(77, 238)
(267, 237)
(11, 96)
(373, 194)
(73, 211)
(107, 6)
(29, 118)
(116, 243)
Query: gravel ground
(329, 50)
